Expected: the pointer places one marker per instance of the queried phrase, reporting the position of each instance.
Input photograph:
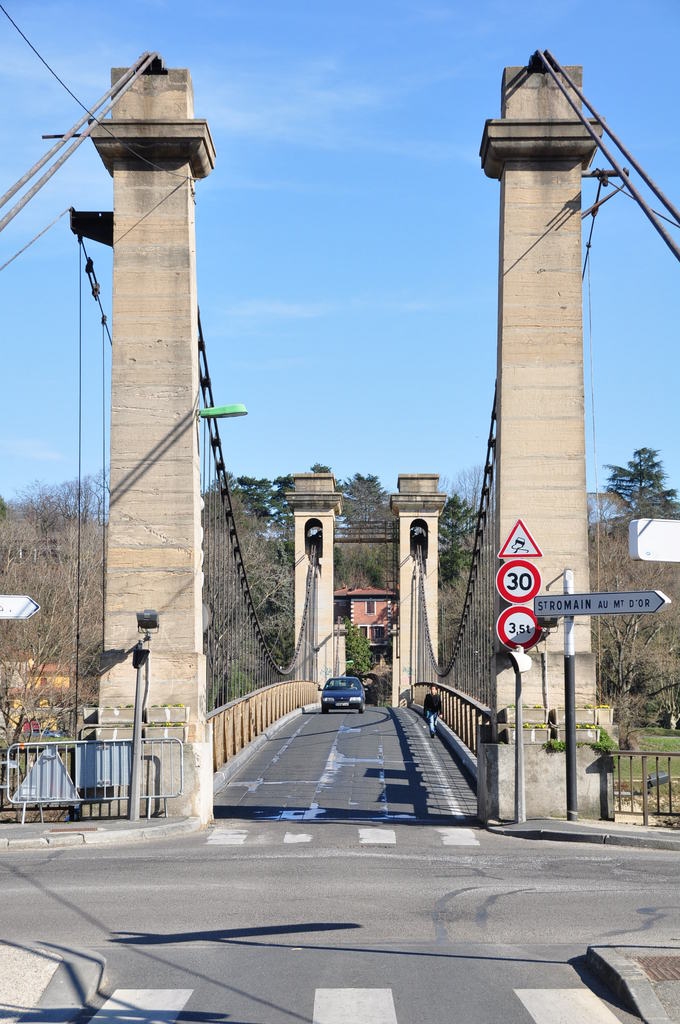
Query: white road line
(441, 786)
(145, 1005)
(297, 837)
(458, 837)
(382, 836)
(228, 836)
(354, 1006)
(564, 1006)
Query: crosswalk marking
(354, 1006)
(381, 836)
(458, 837)
(297, 837)
(144, 1005)
(564, 1006)
(228, 836)
(373, 835)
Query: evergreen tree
(358, 650)
(456, 524)
(364, 499)
(640, 486)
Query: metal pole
(520, 805)
(140, 658)
(570, 703)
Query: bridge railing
(237, 723)
(469, 719)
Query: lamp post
(147, 623)
(221, 412)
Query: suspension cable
(116, 91)
(225, 494)
(555, 69)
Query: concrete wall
(545, 783)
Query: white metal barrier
(69, 773)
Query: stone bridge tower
(538, 150)
(315, 503)
(417, 504)
(155, 150)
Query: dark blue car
(344, 692)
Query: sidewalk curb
(583, 835)
(104, 837)
(73, 986)
(628, 981)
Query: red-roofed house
(371, 610)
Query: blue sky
(347, 238)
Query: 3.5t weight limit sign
(518, 581)
(518, 627)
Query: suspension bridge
(172, 540)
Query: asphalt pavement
(646, 979)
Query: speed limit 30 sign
(518, 627)
(518, 581)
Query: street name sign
(17, 606)
(518, 581)
(517, 627)
(634, 602)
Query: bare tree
(48, 663)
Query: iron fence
(647, 785)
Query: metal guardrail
(647, 784)
(69, 773)
(464, 715)
(237, 723)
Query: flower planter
(529, 714)
(604, 715)
(159, 731)
(158, 713)
(584, 716)
(584, 734)
(531, 734)
(116, 716)
(113, 732)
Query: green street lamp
(221, 412)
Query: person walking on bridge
(432, 707)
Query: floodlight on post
(148, 622)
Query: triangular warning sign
(520, 544)
(47, 780)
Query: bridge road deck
(381, 766)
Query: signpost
(634, 602)
(17, 606)
(517, 582)
(568, 605)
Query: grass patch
(665, 740)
